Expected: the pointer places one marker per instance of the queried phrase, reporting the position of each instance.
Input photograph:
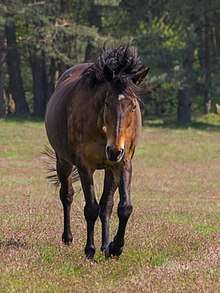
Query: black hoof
(67, 238)
(113, 250)
(106, 252)
(104, 247)
(90, 252)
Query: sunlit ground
(173, 236)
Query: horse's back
(73, 72)
(56, 114)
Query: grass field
(173, 236)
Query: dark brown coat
(93, 120)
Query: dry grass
(173, 237)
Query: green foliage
(64, 30)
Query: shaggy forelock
(122, 61)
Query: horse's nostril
(110, 153)
(121, 152)
(114, 154)
(108, 149)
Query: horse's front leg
(124, 210)
(106, 205)
(91, 209)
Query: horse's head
(121, 111)
(119, 71)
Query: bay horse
(93, 120)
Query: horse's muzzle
(113, 154)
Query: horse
(93, 121)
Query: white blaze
(121, 97)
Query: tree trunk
(207, 65)
(13, 62)
(39, 83)
(64, 6)
(184, 106)
(185, 92)
(2, 101)
(50, 70)
(2, 60)
(90, 52)
(94, 19)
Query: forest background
(178, 40)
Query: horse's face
(119, 111)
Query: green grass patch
(179, 218)
(209, 122)
(24, 139)
(176, 211)
(211, 119)
(8, 154)
(26, 282)
(48, 253)
(206, 229)
(69, 270)
(198, 224)
(158, 259)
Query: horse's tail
(50, 162)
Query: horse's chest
(93, 152)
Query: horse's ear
(108, 73)
(139, 76)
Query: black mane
(115, 65)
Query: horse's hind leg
(64, 170)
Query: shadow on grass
(206, 123)
(13, 242)
(23, 119)
(172, 124)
